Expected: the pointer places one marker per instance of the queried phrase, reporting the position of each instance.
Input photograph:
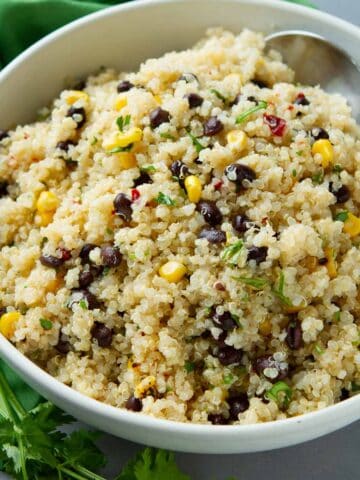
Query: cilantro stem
(90, 475)
(5, 409)
(22, 457)
(76, 475)
(11, 398)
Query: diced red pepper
(218, 185)
(65, 254)
(135, 194)
(277, 125)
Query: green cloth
(23, 22)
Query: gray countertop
(330, 458)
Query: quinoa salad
(184, 241)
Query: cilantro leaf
(198, 146)
(151, 464)
(122, 122)
(342, 216)
(165, 200)
(45, 323)
(121, 149)
(218, 95)
(231, 254)
(79, 449)
(279, 291)
(257, 283)
(262, 105)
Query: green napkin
(23, 22)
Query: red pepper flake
(277, 125)
(135, 194)
(218, 185)
(65, 254)
(291, 107)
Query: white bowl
(122, 37)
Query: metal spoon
(316, 61)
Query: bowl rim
(28, 369)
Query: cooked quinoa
(184, 241)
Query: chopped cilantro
(318, 349)
(279, 291)
(231, 254)
(105, 271)
(243, 116)
(43, 241)
(336, 316)
(228, 379)
(342, 216)
(198, 146)
(337, 168)
(218, 95)
(294, 173)
(165, 200)
(94, 141)
(148, 168)
(84, 304)
(122, 122)
(300, 153)
(121, 149)
(236, 319)
(355, 387)
(167, 136)
(132, 256)
(189, 366)
(109, 231)
(45, 323)
(257, 283)
(318, 178)
(280, 393)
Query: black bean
(238, 173)
(189, 77)
(111, 256)
(86, 277)
(78, 295)
(159, 116)
(224, 321)
(294, 335)
(210, 212)
(238, 404)
(319, 133)
(51, 261)
(85, 252)
(122, 205)
(3, 134)
(124, 86)
(229, 355)
(194, 100)
(258, 254)
(217, 419)
(301, 100)
(323, 261)
(345, 394)
(102, 334)
(134, 404)
(179, 169)
(63, 346)
(212, 126)
(2, 311)
(64, 145)
(78, 114)
(3, 189)
(241, 223)
(143, 178)
(267, 361)
(259, 83)
(212, 235)
(220, 341)
(342, 194)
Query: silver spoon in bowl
(316, 61)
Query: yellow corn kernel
(54, 285)
(157, 99)
(352, 225)
(331, 264)
(310, 262)
(237, 140)
(126, 160)
(120, 103)
(265, 327)
(124, 139)
(325, 149)
(43, 219)
(47, 202)
(7, 323)
(193, 188)
(172, 271)
(76, 95)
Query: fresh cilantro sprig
(163, 199)
(122, 122)
(32, 447)
(262, 105)
(198, 146)
(278, 291)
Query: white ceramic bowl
(122, 37)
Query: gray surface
(333, 457)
